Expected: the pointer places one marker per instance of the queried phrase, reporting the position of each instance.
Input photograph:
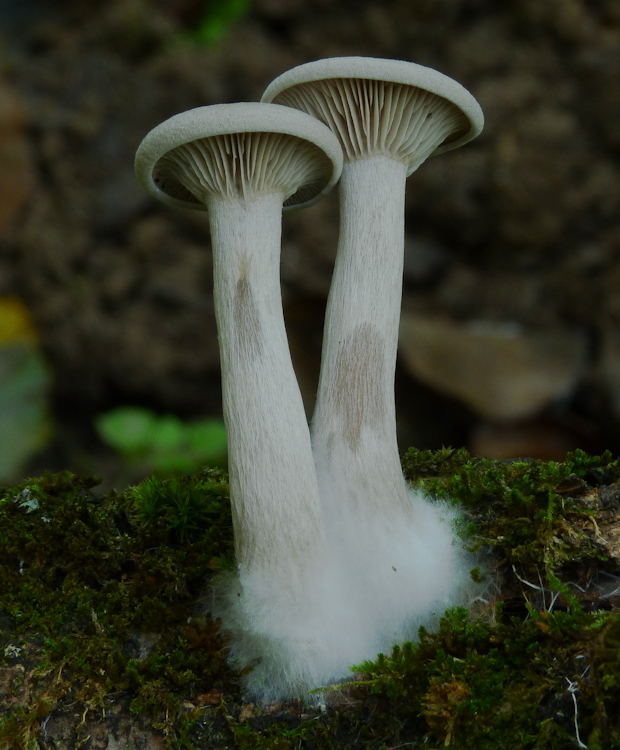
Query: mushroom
(243, 163)
(389, 116)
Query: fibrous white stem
(354, 426)
(284, 608)
(274, 493)
(396, 549)
(323, 583)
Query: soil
(521, 225)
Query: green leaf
(208, 438)
(219, 16)
(164, 444)
(25, 426)
(128, 429)
(168, 433)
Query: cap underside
(243, 166)
(242, 150)
(372, 118)
(381, 106)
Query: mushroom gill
(244, 165)
(373, 118)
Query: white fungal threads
(334, 570)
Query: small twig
(572, 689)
(577, 586)
(527, 583)
(44, 725)
(98, 626)
(554, 599)
(542, 588)
(597, 531)
(611, 593)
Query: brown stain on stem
(359, 383)
(246, 318)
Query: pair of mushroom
(336, 558)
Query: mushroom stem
(354, 425)
(392, 548)
(274, 493)
(244, 163)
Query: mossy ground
(102, 620)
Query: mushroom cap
(388, 95)
(240, 150)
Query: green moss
(519, 507)
(101, 595)
(489, 685)
(105, 593)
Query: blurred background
(510, 333)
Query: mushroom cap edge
(393, 71)
(228, 119)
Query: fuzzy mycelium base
(374, 587)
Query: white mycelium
(242, 162)
(393, 546)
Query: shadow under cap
(227, 148)
(376, 74)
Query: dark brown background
(520, 228)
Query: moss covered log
(104, 636)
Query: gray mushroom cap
(379, 106)
(242, 150)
